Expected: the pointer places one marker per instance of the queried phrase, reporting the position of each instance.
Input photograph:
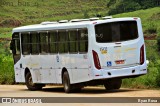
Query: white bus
(79, 53)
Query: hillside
(14, 13)
(121, 6)
(35, 11)
(22, 12)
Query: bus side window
(34, 43)
(26, 47)
(53, 42)
(44, 42)
(83, 39)
(62, 44)
(73, 41)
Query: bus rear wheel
(66, 83)
(30, 85)
(112, 84)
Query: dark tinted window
(63, 41)
(26, 46)
(57, 41)
(116, 31)
(34, 43)
(53, 42)
(73, 41)
(83, 40)
(44, 42)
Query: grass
(6, 64)
(14, 14)
(6, 70)
(23, 12)
(5, 32)
(36, 11)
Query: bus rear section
(119, 51)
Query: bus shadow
(89, 90)
(55, 90)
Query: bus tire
(66, 83)
(117, 84)
(30, 85)
(108, 85)
(112, 84)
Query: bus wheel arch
(63, 70)
(26, 71)
(29, 82)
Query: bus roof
(68, 25)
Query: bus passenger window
(25, 43)
(53, 42)
(44, 42)
(83, 39)
(73, 41)
(34, 43)
(62, 44)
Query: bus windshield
(116, 31)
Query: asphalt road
(97, 93)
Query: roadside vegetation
(6, 64)
(14, 14)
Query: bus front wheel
(30, 85)
(66, 82)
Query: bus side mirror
(11, 45)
